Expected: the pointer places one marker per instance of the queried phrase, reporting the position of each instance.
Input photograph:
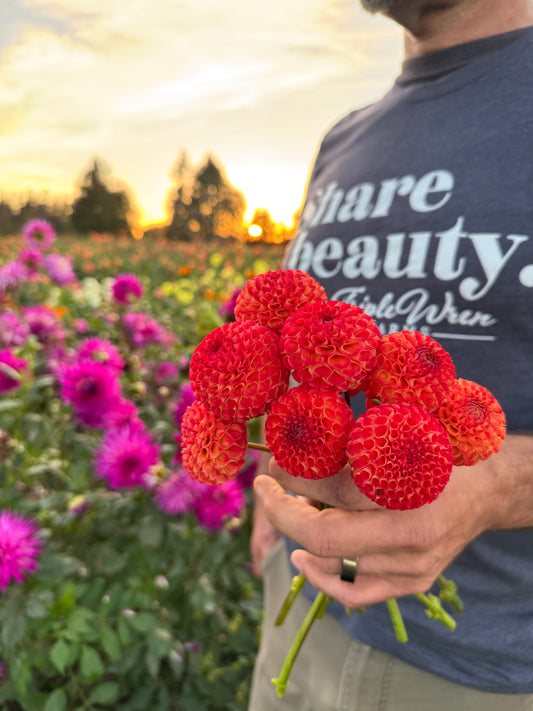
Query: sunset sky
(135, 81)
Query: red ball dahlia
(475, 422)
(400, 456)
(411, 367)
(330, 344)
(237, 370)
(272, 297)
(212, 451)
(307, 431)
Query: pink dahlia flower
(92, 388)
(59, 269)
(12, 275)
(44, 325)
(13, 365)
(127, 288)
(216, 504)
(143, 330)
(177, 493)
(227, 308)
(19, 548)
(185, 398)
(101, 351)
(13, 332)
(39, 234)
(125, 456)
(123, 413)
(31, 260)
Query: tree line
(201, 204)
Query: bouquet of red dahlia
(420, 418)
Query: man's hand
(401, 552)
(264, 536)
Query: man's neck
(430, 25)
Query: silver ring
(349, 570)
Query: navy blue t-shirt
(419, 209)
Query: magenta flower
(81, 325)
(247, 475)
(38, 234)
(59, 269)
(124, 457)
(13, 332)
(31, 260)
(126, 289)
(57, 358)
(12, 275)
(101, 351)
(124, 413)
(227, 308)
(218, 503)
(19, 548)
(92, 388)
(186, 398)
(44, 325)
(165, 371)
(8, 374)
(177, 493)
(143, 330)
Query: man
(419, 210)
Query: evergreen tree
(100, 209)
(205, 204)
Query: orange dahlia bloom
(212, 451)
(270, 298)
(307, 431)
(400, 456)
(330, 344)
(413, 368)
(237, 370)
(475, 422)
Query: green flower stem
(448, 593)
(256, 445)
(282, 681)
(397, 620)
(297, 584)
(435, 610)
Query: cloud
(136, 80)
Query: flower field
(124, 584)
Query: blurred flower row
(93, 387)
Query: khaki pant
(334, 672)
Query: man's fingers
(367, 589)
(330, 532)
(338, 490)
